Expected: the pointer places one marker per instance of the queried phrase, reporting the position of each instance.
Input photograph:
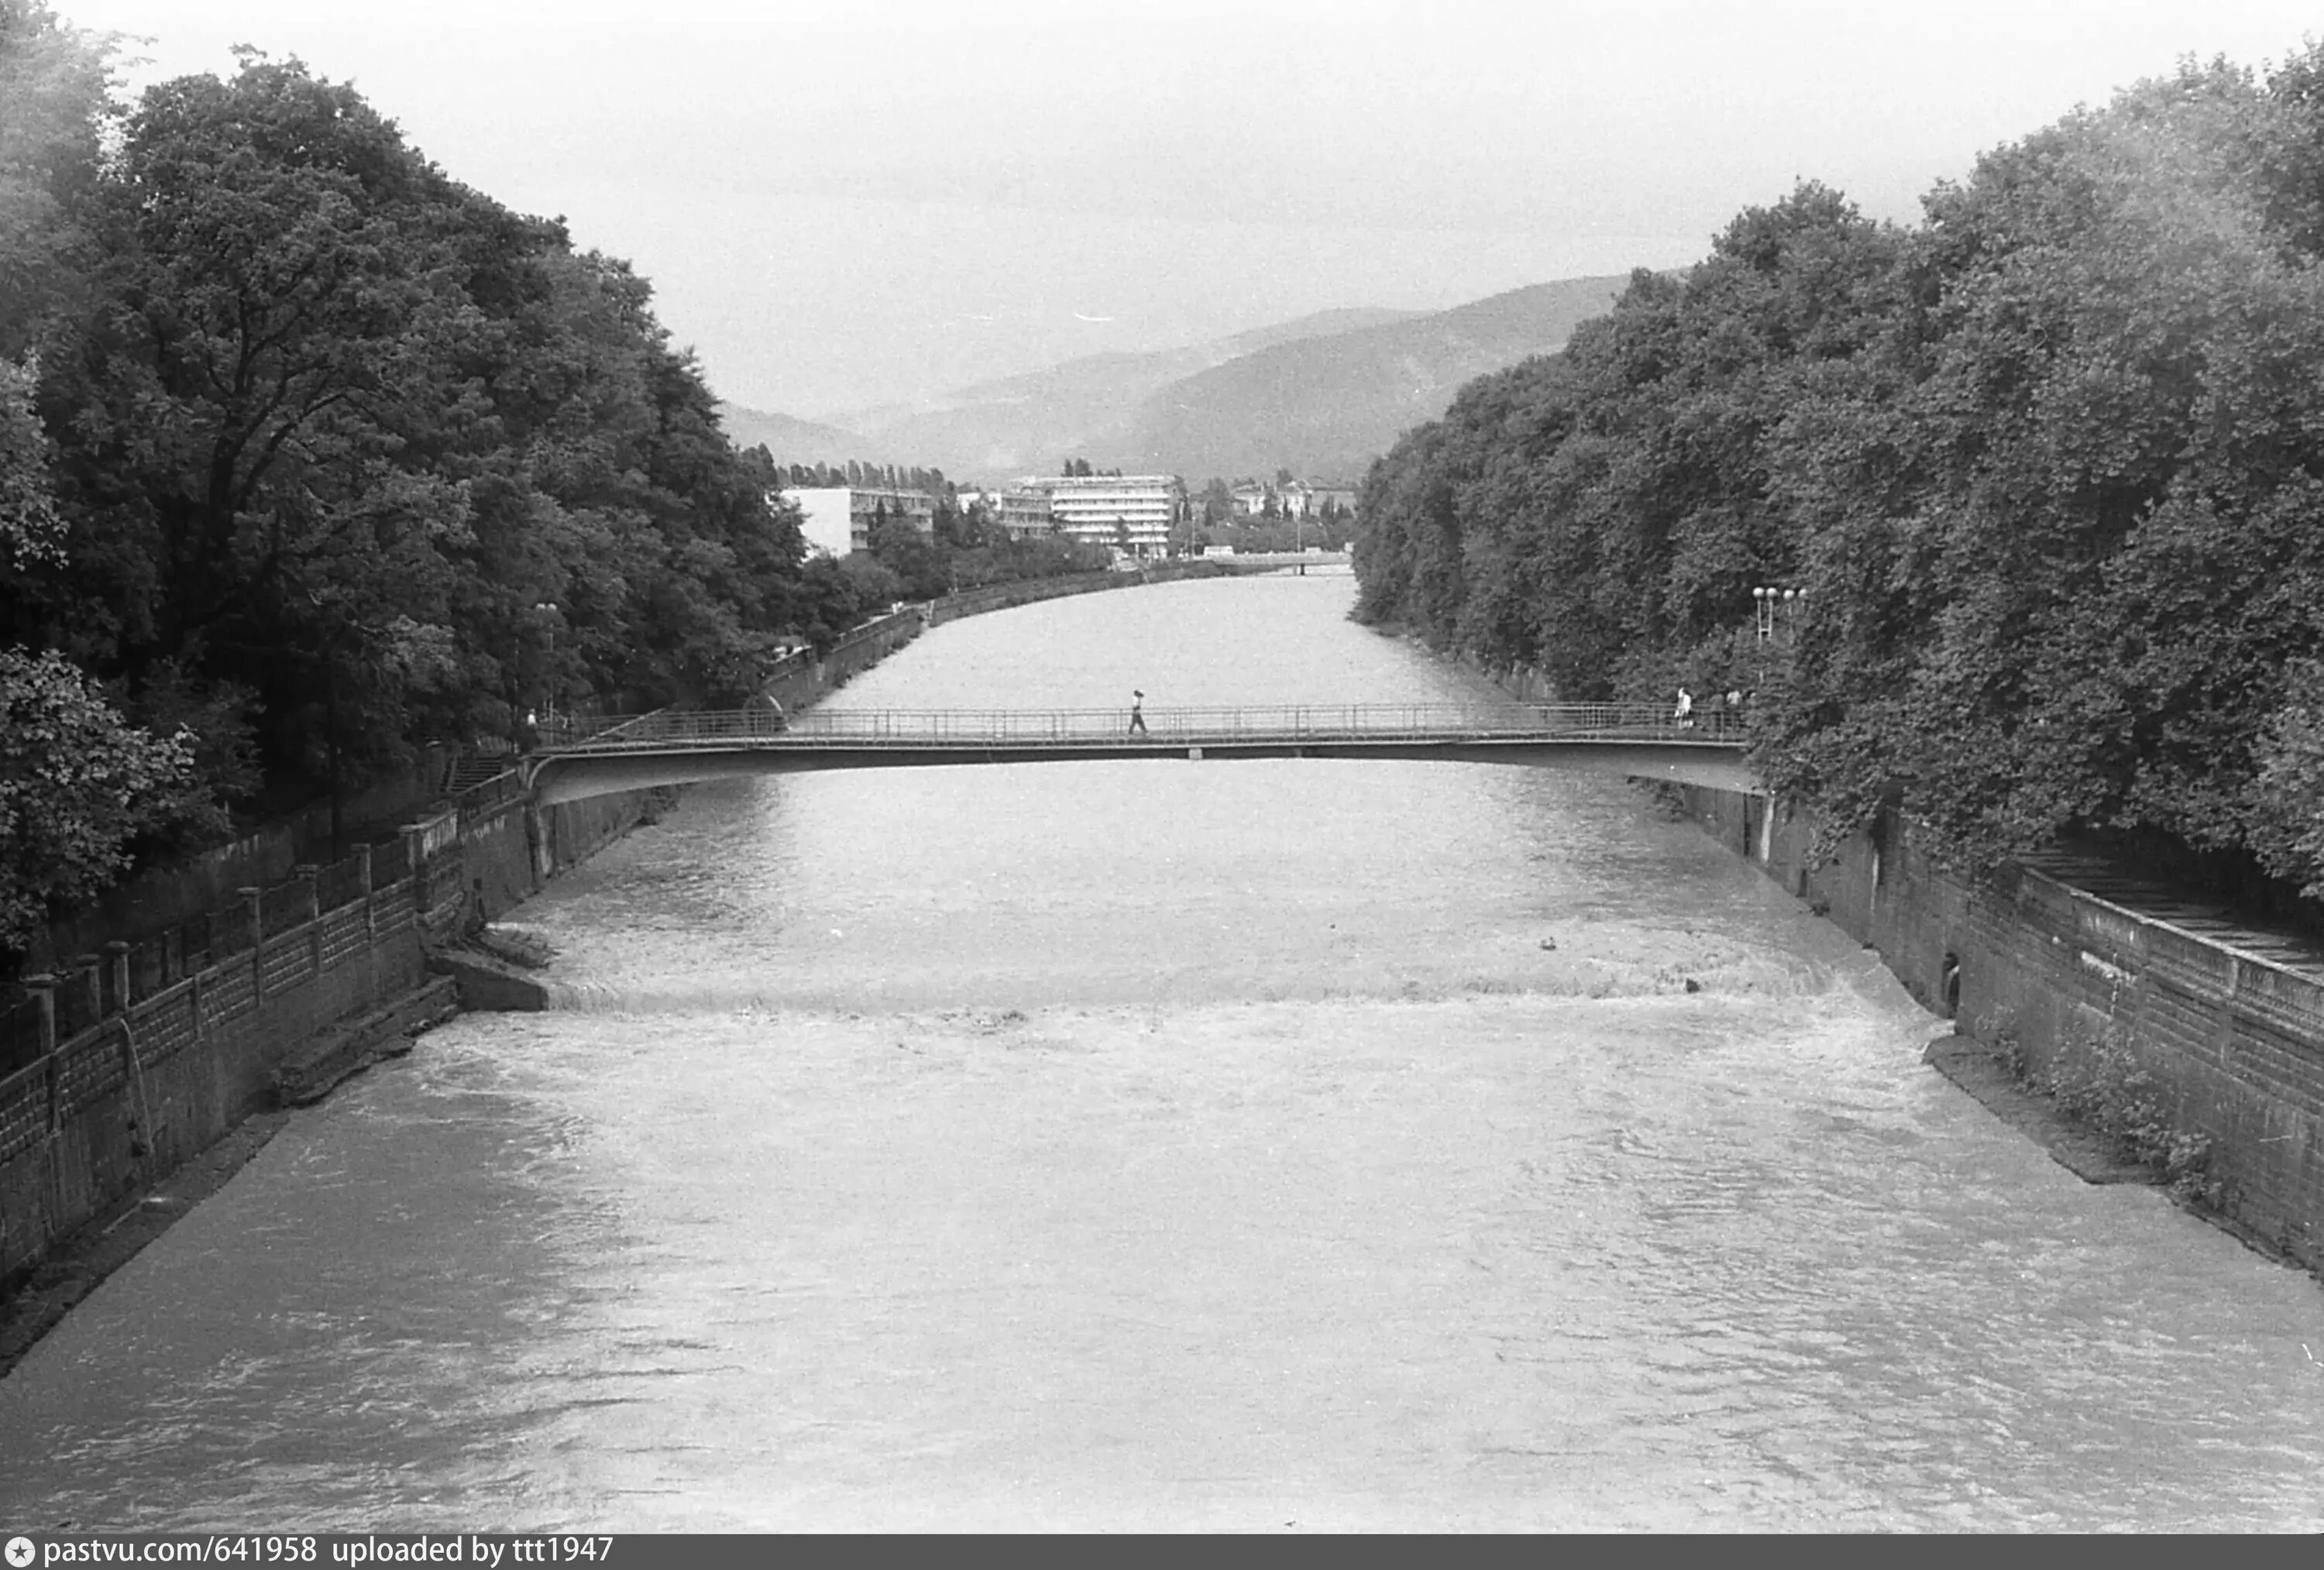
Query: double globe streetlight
(1766, 600)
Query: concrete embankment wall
(2059, 979)
(129, 1061)
(142, 1060)
(797, 681)
(1006, 596)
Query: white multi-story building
(1132, 512)
(840, 518)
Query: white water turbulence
(1176, 1144)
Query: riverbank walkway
(677, 748)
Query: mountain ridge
(1320, 395)
(1327, 406)
(1035, 419)
(790, 439)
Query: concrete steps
(471, 769)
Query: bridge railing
(953, 728)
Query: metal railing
(907, 729)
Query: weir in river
(1106, 1144)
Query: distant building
(1329, 494)
(1133, 512)
(1024, 512)
(839, 519)
(1296, 500)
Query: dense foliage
(2048, 469)
(75, 786)
(309, 454)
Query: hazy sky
(848, 204)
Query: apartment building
(839, 519)
(1023, 512)
(1134, 512)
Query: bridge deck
(951, 730)
(673, 748)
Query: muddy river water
(1272, 1144)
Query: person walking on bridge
(1137, 713)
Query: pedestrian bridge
(679, 748)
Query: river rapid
(1167, 1144)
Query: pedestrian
(1684, 713)
(1137, 713)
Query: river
(1266, 1145)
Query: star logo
(20, 1552)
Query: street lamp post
(548, 608)
(1767, 602)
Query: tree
(2046, 468)
(76, 786)
(328, 426)
(2289, 829)
(272, 319)
(835, 597)
(1185, 535)
(29, 529)
(1217, 503)
(921, 567)
(55, 101)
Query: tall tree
(55, 100)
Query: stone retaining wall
(1028, 591)
(139, 1088)
(131, 1062)
(2232, 1043)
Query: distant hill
(795, 441)
(1035, 420)
(1321, 396)
(1328, 405)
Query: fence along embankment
(137, 1059)
(126, 1062)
